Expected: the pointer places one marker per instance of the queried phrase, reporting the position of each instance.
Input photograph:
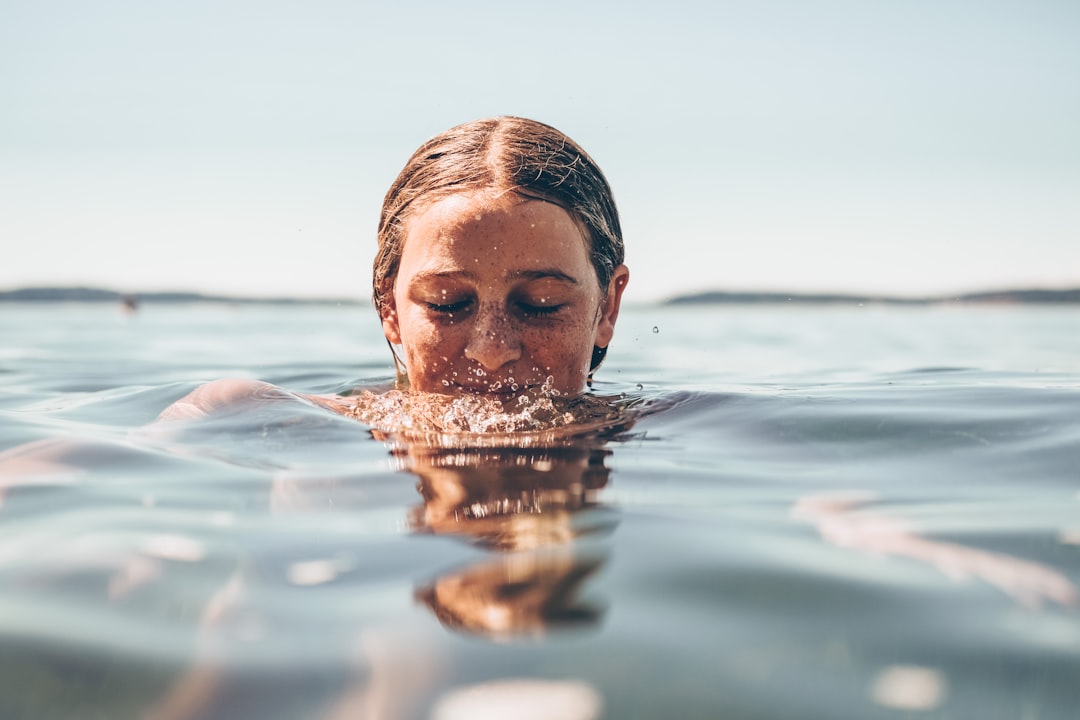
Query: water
(822, 513)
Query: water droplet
(655, 329)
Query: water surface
(854, 512)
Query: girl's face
(494, 295)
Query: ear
(390, 326)
(609, 308)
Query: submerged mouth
(503, 388)
(494, 389)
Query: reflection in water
(212, 601)
(514, 595)
(508, 498)
(530, 504)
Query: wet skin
(494, 294)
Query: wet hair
(502, 154)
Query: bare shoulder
(225, 395)
(334, 403)
(230, 395)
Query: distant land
(100, 295)
(988, 297)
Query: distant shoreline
(998, 297)
(101, 295)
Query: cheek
(567, 349)
(430, 348)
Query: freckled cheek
(562, 352)
(430, 350)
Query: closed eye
(448, 308)
(530, 310)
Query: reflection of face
(516, 594)
(531, 504)
(509, 498)
(497, 292)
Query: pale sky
(893, 146)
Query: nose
(494, 342)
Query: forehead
(485, 230)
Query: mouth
(498, 390)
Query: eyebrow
(448, 274)
(541, 274)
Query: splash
(536, 416)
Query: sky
(903, 147)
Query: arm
(842, 521)
(61, 461)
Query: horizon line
(91, 293)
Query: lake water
(821, 512)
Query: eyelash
(458, 306)
(526, 309)
(538, 311)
